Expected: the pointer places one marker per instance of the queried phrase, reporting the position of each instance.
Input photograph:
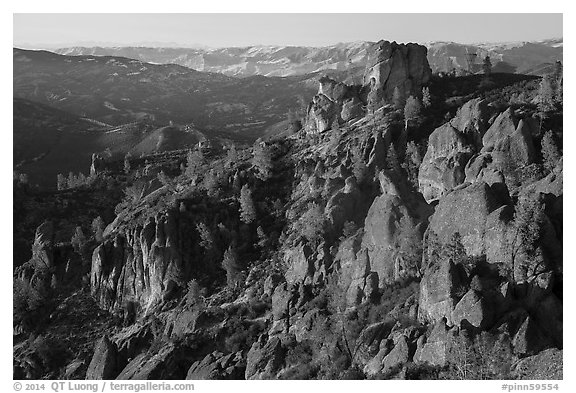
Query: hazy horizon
(49, 31)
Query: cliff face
(141, 265)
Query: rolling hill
(117, 90)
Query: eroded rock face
(438, 287)
(507, 149)
(465, 211)
(139, 267)
(395, 220)
(450, 147)
(335, 103)
(391, 65)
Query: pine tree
(528, 219)
(412, 162)
(397, 98)
(194, 294)
(212, 183)
(412, 110)
(311, 223)
(127, 166)
(231, 265)
(247, 209)
(262, 161)
(545, 97)
(231, 156)
(426, 98)
(194, 161)
(550, 152)
(262, 237)
(98, 228)
(393, 163)
(487, 66)
(61, 182)
(359, 167)
(206, 238)
(79, 241)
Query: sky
(225, 30)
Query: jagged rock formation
(466, 150)
(393, 66)
(335, 103)
(139, 267)
(97, 164)
(507, 149)
(450, 148)
(390, 67)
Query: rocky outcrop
(434, 349)
(450, 147)
(473, 218)
(334, 104)
(140, 266)
(162, 361)
(97, 164)
(394, 227)
(264, 359)
(216, 365)
(507, 149)
(387, 250)
(393, 66)
(104, 361)
(467, 211)
(547, 364)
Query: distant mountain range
(119, 90)
(521, 57)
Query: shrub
(311, 224)
(247, 209)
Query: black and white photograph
(286, 196)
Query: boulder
(437, 297)
(394, 226)
(530, 339)
(547, 365)
(217, 366)
(264, 359)
(281, 301)
(299, 262)
(160, 364)
(399, 355)
(369, 340)
(435, 349)
(503, 126)
(465, 211)
(104, 363)
(443, 165)
(473, 310)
